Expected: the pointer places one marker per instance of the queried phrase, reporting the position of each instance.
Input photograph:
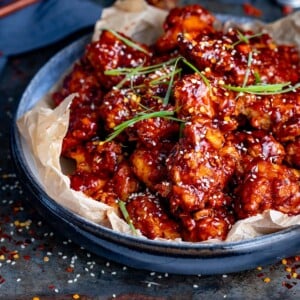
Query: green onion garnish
(206, 81)
(128, 42)
(126, 216)
(264, 89)
(167, 114)
(248, 70)
(244, 38)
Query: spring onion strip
(245, 39)
(257, 77)
(206, 81)
(126, 216)
(169, 90)
(248, 70)
(167, 114)
(142, 70)
(264, 89)
(128, 42)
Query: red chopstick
(15, 6)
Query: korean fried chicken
(193, 133)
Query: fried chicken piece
(124, 182)
(98, 158)
(206, 224)
(199, 166)
(119, 106)
(149, 164)
(101, 172)
(87, 182)
(83, 122)
(293, 153)
(110, 52)
(279, 113)
(149, 216)
(268, 186)
(83, 81)
(83, 126)
(194, 97)
(191, 18)
(240, 60)
(255, 144)
(153, 132)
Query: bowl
(161, 256)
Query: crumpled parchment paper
(43, 128)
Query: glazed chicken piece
(83, 123)
(111, 52)
(82, 80)
(124, 182)
(102, 172)
(200, 165)
(199, 168)
(96, 163)
(206, 224)
(252, 145)
(119, 106)
(149, 216)
(293, 153)
(191, 19)
(240, 58)
(123, 105)
(279, 113)
(194, 97)
(149, 164)
(268, 186)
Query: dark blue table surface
(36, 261)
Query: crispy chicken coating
(149, 216)
(149, 164)
(207, 224)
(293, 153)
(83, 124)
(110, 52)
(194, 97)
(279, 114)
(268, 186)
(191, 19)
(237, 57)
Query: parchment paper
(43, 128)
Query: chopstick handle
(15, 6)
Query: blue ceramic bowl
(162, 256)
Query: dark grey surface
(49, 266)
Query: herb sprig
(123, 209)
(166, 114)
(264, 89)
(245, 38)
(128, 42)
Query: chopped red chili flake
(287, 9)
(287, 284)
(51, 287)
(251, 10)
(69, 269)
(2, 280)
(27, 257)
